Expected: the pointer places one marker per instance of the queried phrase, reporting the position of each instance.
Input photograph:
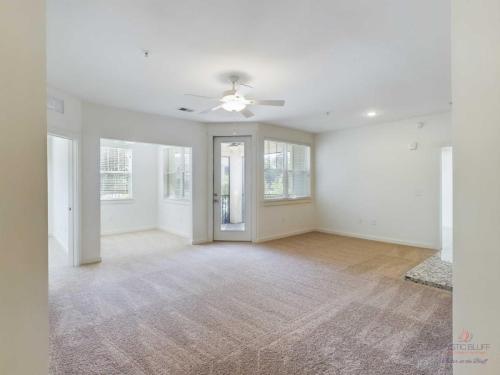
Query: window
(177, 173)
(116, 172)
(287, 172)
(274, 170)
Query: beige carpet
(310, 304)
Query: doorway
(145, 197)
(60, 190)
(232, 187)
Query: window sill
(118, 201)
(286, 201)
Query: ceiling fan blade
(201, 96)
(278, 103)
(246, 112)
(210, 109)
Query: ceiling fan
(234, 101)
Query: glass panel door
(231, 184)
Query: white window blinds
(177, 172)
(116, 173)
(287, 173)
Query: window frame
(166, 173)
(129, 148)
(286, 199)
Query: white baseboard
(175, 233)
(91, 261)
(284, 235)
(131, 230)
(200, 242)
(379, 238)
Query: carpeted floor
(310, 304)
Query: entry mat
(433, 272)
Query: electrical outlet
(374, 222)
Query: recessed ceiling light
(371, 114)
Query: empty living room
(233, 187)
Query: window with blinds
(177, 173)
(116, 173)
(287, 170)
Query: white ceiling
(344, 57)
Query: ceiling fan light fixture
(233, 103)
(234, 106)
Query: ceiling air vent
(184, 109)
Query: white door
(232, 189)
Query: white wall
(175, 217)
(476, 139)
(106, 122)
(23, 188)
(140, 212)
(58, 194)
(69, 122)
(270, 220)
(369, 184)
